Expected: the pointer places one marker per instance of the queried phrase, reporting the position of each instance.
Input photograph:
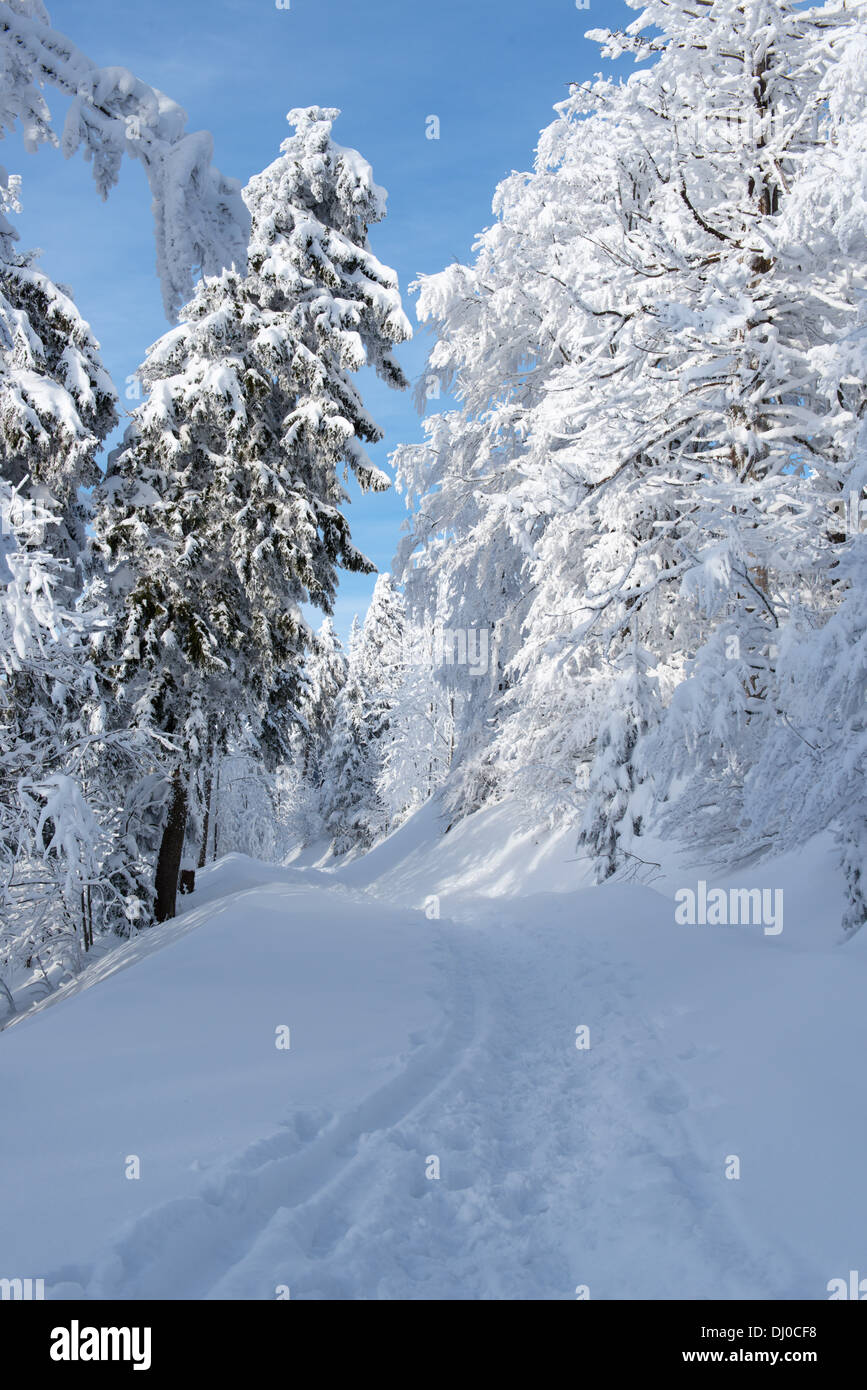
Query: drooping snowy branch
(201, 223)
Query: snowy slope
(416, 1038)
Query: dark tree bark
(206, 823)
(215, 815)
(171, 852)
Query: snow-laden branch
(201, 223)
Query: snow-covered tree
(348, 796)
(656, 412)
(221, 514)
(418, 747)
(325, 677)
(614, 810)
(354, 811)
(748, 711)
(808, 773)
(67, 869)
(686, 421)
(462, 564)
(302, 777)
(252, 809)
(57, 402)
(34, 646)
(63, 875)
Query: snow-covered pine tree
(345, 777)
(301, 781)
(354, 811)
(222, 512)
(325, 672)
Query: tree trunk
(87, 917)
(13, 1007)
(430, 761)
(171, 852)
(216, 813)
(206, 825)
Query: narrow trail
(557, 1167)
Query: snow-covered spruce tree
(301, 780)
(382, 661)
(222, 512)
(325, 673)
(354, 812)
(345, 776)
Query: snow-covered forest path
(433, 1131)
(554, 1164)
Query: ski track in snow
(558, 1167)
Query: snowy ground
(414, 1037)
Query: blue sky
(491, 70)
